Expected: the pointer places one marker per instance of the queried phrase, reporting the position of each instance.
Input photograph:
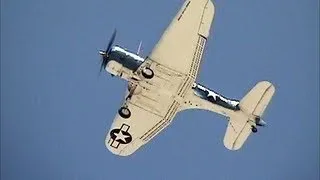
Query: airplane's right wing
(251, 107)
(181, 46)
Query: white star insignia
(212, 94)
(121, 136)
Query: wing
(150, 111)
(181, 46)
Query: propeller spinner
(105, 53)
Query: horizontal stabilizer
(241, 122)
(237, 132)
(257, 99)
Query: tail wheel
(254, 129)
(147, 73)
(124, 112)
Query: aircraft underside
(196, 94)
(163, 84)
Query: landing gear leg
(131, 88)
(124, 111)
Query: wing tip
(114, 150)
(266, 83)
(231, 146)
(119, 150)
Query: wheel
(147, 73)
(124, 112)
(254, 129)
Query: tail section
(245, 121)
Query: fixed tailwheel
(124, 112)
(254, 129)
(147, 73)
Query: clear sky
(56, 108)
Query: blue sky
(56, 108)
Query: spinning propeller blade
(105, 53)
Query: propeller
(105, 53)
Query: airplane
(164, 83)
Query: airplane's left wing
(150, 111)
(126, 135)
(181, 46)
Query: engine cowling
(114, 68)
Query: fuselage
(214, 97)
(124, 63)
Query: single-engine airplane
(163, 84)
